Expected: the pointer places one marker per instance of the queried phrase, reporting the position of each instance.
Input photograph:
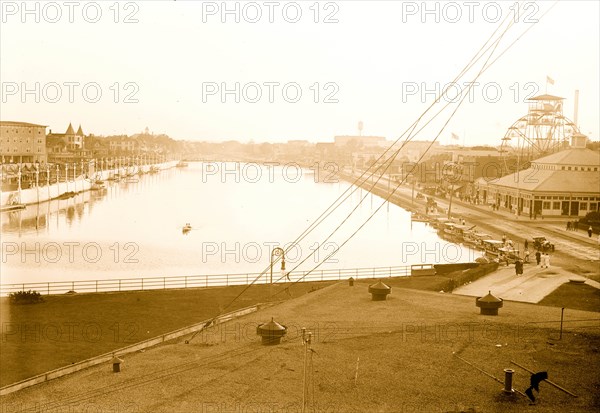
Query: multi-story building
(22, 142)
(122, 144)
(73, 140)
(360, 141)
(67, 147)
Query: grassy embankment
(65, 329)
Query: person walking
(504, 238)
(568, 225)
(518, 268)
(538, 257)
(545, 260)
(526, 245)
(590, 230)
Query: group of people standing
(574, 226)
(542, 258)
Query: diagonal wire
(496, 43)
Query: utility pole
(389, 177)
(306, 340)
(450, 202)
(412, 195)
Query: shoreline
(488, 221)
(58, 190)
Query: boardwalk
(572, 244)
(531, 287)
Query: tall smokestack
(576, 111)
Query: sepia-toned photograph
(300, 206)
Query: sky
(298, 70)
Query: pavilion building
(565, 183)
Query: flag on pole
(549, 80)
(455, 136)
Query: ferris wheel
(544, 130)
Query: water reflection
(35, 219)
(237, 215)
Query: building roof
(12, 123)
(359, 137)
(546, 180)
(546, 97)
(216, 371)
(79, 131)
(573, 156)
(70, 130)
(561, 172)
(53, 140)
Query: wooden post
(562, 313)
(356, 372)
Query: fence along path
(214, 280)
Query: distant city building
(22, 142)
(74, 141)
(98, 147)
(67, 147)
(414, 150)
(122, 144)
(298, 142)
(359, 141)
(565, 183)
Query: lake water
(238, 213)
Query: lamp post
(37, 181)
(451, 178)
(412, 193)
(276, 252)
(67, 176)
(48, 179)
(450, 202)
